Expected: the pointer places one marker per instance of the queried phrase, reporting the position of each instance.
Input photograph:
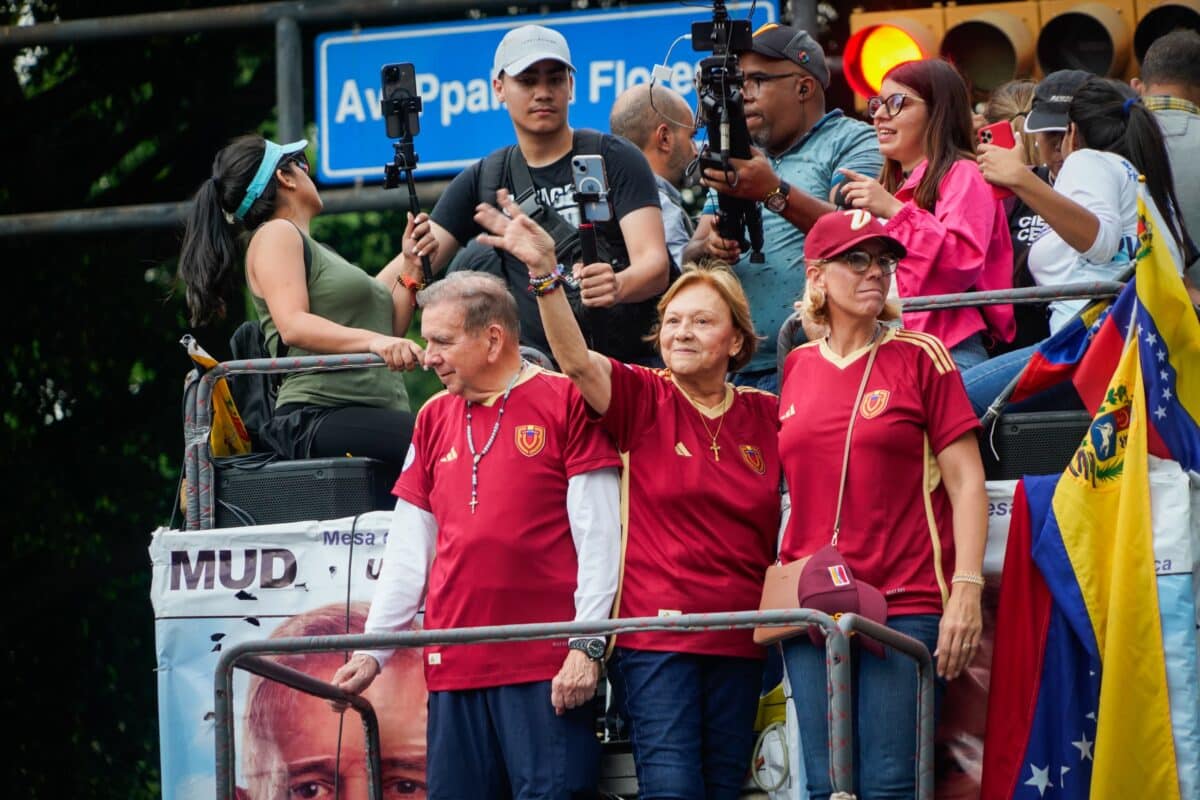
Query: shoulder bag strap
(862, 387)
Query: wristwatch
(777, 199)
(593, 647)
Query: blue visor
(272, 155)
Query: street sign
(462, 120)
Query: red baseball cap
(827, 584)
(836, 232)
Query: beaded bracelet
(973, 578)
(542, 285)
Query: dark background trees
(91, 429)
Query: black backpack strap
(587, 141)
(493, 173)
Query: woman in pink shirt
(938, 205)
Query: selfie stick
(405, 161)
(589, 254)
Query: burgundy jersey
(896, 530)
(702, 520)
(512, 560)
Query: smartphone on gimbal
(591, 185)
(399, 100)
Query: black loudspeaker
(249, 492)
(1036, 443)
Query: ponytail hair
(1109, 116)
(209, 258)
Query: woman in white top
(1091, 211)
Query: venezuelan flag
(1170, 338)
(1056, 359)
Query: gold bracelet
(973, 578)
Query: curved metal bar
(306, 683)
(853, 623)
(198, 459)
(237, 656)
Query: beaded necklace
(476, 457)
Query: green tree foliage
(91, 427)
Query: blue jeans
(691, 721)
(765, 379)
(507, 742)
(986, 381)
(969, 352)
(885, 712)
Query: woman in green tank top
(309, 299)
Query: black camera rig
(722, 110)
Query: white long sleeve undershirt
(593, 509)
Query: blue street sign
(462, 121)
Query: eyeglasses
(756, 80)
(860, 261)
(894, 103)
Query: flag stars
(1167, 393)
(1160, 412)
(1084, 747)
(1062, 777)
(1151, 339)
(1040, 779)
(1162, 373)
(1161, 355)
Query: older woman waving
(703, 512)
(914, 499)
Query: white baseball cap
(523, 47)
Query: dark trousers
(506, 743)
(691, 721)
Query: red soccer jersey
(513, 560)
(896, 531)
(701, 531)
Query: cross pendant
(474, 502)
(716, 450)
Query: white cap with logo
(523, 47)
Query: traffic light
(1156, 17)
(880, 40)
(1092, 36)
(992, 43)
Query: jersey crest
(530, 439)
(873, 403)
(753, 457)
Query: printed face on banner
(290, 748)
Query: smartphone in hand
(999, 134)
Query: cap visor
(893, 244)
(1043, 122)
(525, 62)
(294, 147)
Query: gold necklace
(713, 446)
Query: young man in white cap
(533, 76)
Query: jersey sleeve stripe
(933, 348)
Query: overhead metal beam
(169, 215)
(233, 17)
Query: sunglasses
(299, 159)
(894, 103)
(860, 261)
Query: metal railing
(250, 656)
(197, 420)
